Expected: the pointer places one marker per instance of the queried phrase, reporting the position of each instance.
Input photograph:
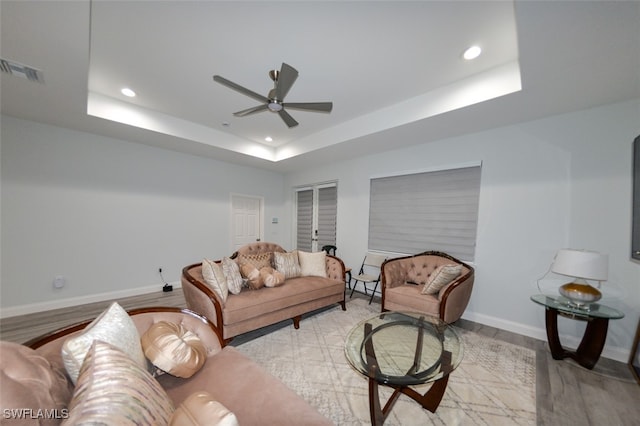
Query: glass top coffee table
(400, 349)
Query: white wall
(564, 181)
(106, 214)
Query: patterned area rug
(493, 385)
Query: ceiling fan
(274, 101)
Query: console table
(399, 349)
(597, 317)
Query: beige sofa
(36, 386)
(403, 280)
(253, 309)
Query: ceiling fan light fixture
(274, 106)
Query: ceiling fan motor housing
(282, 82)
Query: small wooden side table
(597, 317)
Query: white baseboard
(80, 300)
(570, 342)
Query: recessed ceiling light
(268, 139)
(128, 92)
(472, 53)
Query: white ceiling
(392, 69)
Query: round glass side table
(597, 317)
(399, 349)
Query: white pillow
(113, 326)
(313, 264)
(442, 276)
(232, 274)
(214, 276)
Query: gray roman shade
(426, 211)
(327, 211)
(304, 227)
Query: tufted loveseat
(253, 309)
(404, 278)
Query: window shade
(327, 211)
(436, 210)
(304, 227)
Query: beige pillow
(173, 349)
(29, 381)
(271, 277)
(313, 264)
(287, 263)
(112, 326)
(252, 274)
(214, 277)
(442, 276)
(232, 274)
(200, 409)
(258, 260)
(112, 389)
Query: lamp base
(580, 294)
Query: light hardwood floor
(566, 394)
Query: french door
(316, 211)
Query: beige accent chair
(403, 279)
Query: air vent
(19, 70)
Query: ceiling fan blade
(310, 106)
(238, 88)
(288, 120)
(251, 110)
(286, 78)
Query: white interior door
(246, 220)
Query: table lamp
(582, 265)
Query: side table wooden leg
(590, 347)
(592, 342)
(551, 320)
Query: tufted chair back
(258, 247)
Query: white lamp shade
(589, 265)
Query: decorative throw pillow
(232, 273)
(214, 276)
(313, 264)
(200, 409)
(173, 349)
(252, 274)
(287, 263)
(112, 389)
(29, 381)
(439, 278)
(271, 277)
(113, 326)
(258, 260)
